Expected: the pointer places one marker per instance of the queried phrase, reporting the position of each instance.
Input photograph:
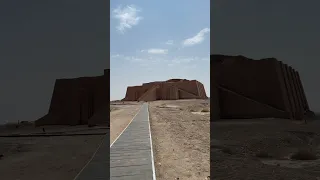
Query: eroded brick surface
(166, 90)
(78, 101)
(250, 88)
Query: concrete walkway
(131, 156)
(97, 167)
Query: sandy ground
(120, 116)
(262, 149)
(50, 158)
(181, 139)
(57, 129)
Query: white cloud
(182, 60)
(118, 57)
(127, 16)
(169, 42)
(133, 59)
(158, 51)
(154, 61)
(197, 39)
(192, 66)
(179, 60)
(205, 59)
(115, 56)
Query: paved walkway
(131, 156)
(98, 165)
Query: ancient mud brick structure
(172, 89)
(247, 88)
(79, 101)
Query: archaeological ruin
(172, 89)
(247, 88)
(78, 101)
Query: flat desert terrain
(121, 113)
(265, 149)
(50, 158)
(181, 139)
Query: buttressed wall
(248, 88)
(78, 101)
(172, 89)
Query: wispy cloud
(127, 16)
(183, 61)
(197, 39)
(187, 61)
(115, 55)
(154, 61)
(158, 51)
(179, 60)
(206, 58)
(169, 42)
(189, 67)
(134, 59)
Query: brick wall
(267, 86)
(75, 101)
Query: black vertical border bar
(107, 139)
(214, 87)
(107, 71)
(211, 97)
(211, 85)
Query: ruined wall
(267, 86)
(299, 108)
(189, 86)
(285, 84)
(202, 92)
(131, 93)
(168, 90)
(75, 101)
(304, 98)
(238, 73)
(66, 100)
(249, 108)
(148, 94)
(101, 112)
(282, 79)
(215, 66)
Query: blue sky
(157, 41)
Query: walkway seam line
(152, 158)
(127, 126)
(94, 154)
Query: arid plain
(180, 133)
(278, 149)
(36, 155)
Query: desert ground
(121, 113)
(51, 157)
(180, 134)
(267, 149)
(181, 139)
